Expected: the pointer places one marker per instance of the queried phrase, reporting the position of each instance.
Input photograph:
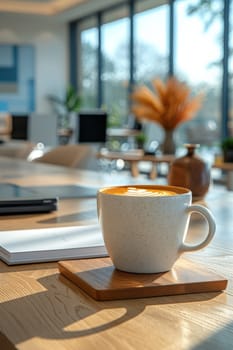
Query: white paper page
(51, 243)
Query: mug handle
(211, 231)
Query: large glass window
(151, 42)
(198, 61)
(151, 51)
(88, 62)
(115, 65)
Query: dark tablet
(30, 205)
(15, 199)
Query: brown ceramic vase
(190, 171)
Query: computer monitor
(19, 127)
(92, 126)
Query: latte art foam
(140, 191)
(134, 191)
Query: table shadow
(80, 216)
(61, 303)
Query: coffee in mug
(144, 226)
(139, 191)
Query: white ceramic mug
(144, 227)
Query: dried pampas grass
(168, 104)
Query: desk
(42, 310)
(120, 132)
(228, 167)
(133, 158)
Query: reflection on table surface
(42, 310)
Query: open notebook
(51, 244)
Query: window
(88, 63)
(151, 43)
(151, 51)
(197, 46)
(115, 69)
(198, 61)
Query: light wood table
(41, 310)
(134, 158)
(228, 168)
(120, 132)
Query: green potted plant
(140, 139)
(227, 148)
(64, 109)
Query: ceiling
(62, 10)
(40, 7)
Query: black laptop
(15, 199)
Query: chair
(71, 155)
(5, 126)
(42, 128)
(25, 150)
(17, 149)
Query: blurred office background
(105, 48)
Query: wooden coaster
(5, 343)
(99, 279)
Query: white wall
(50, 41)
